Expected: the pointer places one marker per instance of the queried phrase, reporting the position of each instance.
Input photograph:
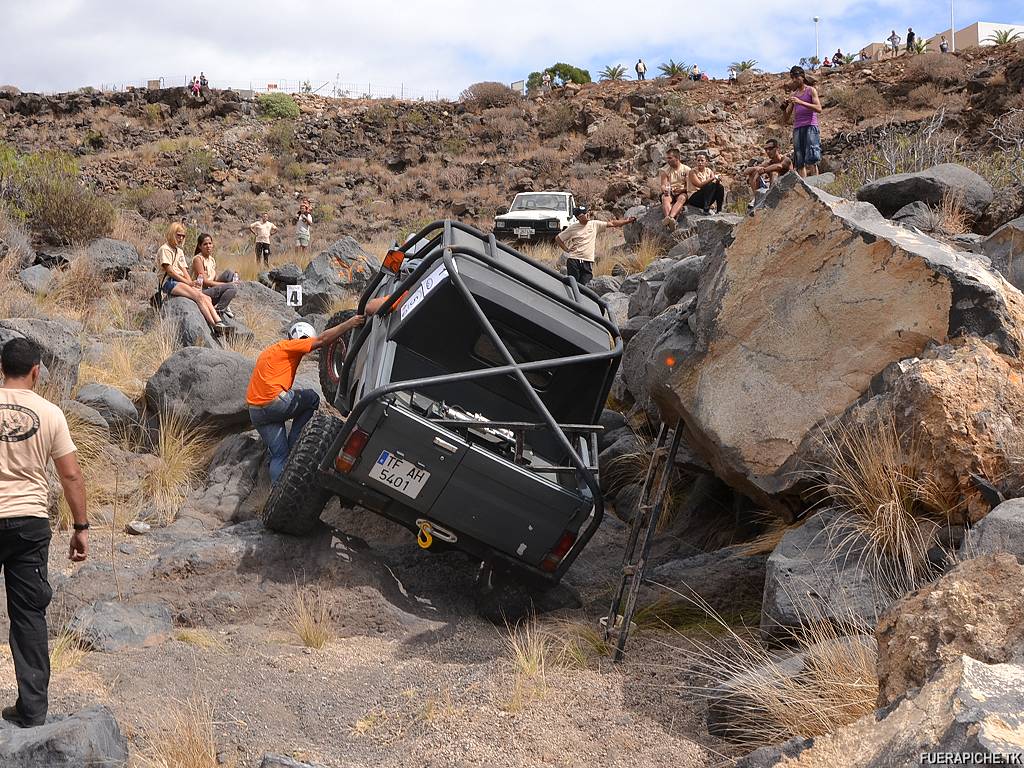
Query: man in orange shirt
(271, 398)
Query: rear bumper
(355, 492)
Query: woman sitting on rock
(173, 265)
(220, 288)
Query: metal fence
(336, 87)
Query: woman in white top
(220, 288)
(177, 281)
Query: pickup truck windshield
(539, 203)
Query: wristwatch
(81, 526)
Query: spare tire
(297, 500)
(332, 357)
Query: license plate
(399, 474)
(524, 231)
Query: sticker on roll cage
(430, 282)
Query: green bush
(44, 188)
(195, 166)
(567, 73)
(277, 106)
(488, 94)
(556, 119)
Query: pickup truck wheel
(501, 598)
(297, 501)
(333, 357)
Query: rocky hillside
(372, 166)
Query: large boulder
(233, 479)
(814, 298)
(206, 386)
(712, 233)
(1001, 530)
(976, 609)
(729, 580)
(891, 193)
(1005, 249)
(653, 353)
(111, 403)
(818, 572)
(190, 326)
(343, 269)
(58, 343)
(114, 259)
(36, 279)
(111, 626)
(254, 298)
(90, 737)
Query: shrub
(277, 106)
(44, 188)
(556, 119)
(567, 73)
(489, 94)
(295, 171)
(153, 114)
(94, 140)
(612, 137)
(281, 137)
(149, 201)
(860, 103)
(935, 68)
(679, 112)
(744, 76)
(501, 124)
(925, 95)
(195, 166)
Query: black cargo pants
(24, 548)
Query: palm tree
(748, 65)
(673, 68)
(1003, 37)
(849, 58)
(615, 72)
(920, 46)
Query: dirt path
(410, 677)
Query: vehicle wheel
(501, 598)
(333, 357)
(296, 502)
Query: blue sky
(432, 48)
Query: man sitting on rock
(273, 399)
(579, 241)
(672, 178)
(776, 165)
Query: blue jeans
(806, 146)
(295, 405)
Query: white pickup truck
(535, 216)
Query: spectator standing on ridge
(303, 223)
(704, 186)
(220, 288)
(943, 45)
(776, 165)
(579, 241)
(672, 181)
(176, 280)
(641, 69)
(545, 82)
(263, 229)
(911, 41)
(33, 431)
(804, 106)
(272, 397)
(894, 42)
(695, 73)
(203, 82)
(195, 86)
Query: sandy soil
(410, 677)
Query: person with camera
(33, 432)
(303, 224)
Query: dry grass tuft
(66, 652)
(183, 451)
(527, 648)
(632, 262)
(953, 218)
(576, 644)
(770, 702)
(187, 739)
(890, 506)
(310, 619)
(129, 361)
(96, 460)
(200, 638)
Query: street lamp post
(952, 29)
(816, 20)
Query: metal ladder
(619, 620)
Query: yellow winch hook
(424, 537)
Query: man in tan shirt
(263, 229)
(32, 432)
(579, 242)
(672, 179)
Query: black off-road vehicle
(470, 404)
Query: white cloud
(437, 46)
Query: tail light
(351, 450)
(550, 563)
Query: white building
(977, 34)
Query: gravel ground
(410, 677)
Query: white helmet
(301, 330)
